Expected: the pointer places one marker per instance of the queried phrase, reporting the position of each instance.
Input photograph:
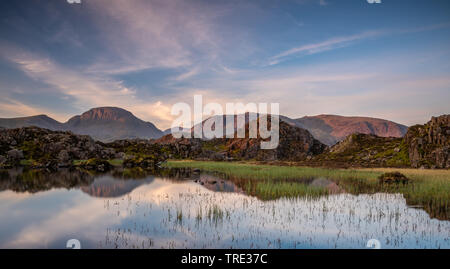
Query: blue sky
(388, 60)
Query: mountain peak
(111, 123)
(107, 113)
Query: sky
(389, 60)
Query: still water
(178, 210)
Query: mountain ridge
(110, 123)
(330, 129)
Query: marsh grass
(272, 190)
(215, 214)
(270, 172)
(429, 189)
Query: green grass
(26, 162)
(116, 162)
(428, 188)
(272, 172)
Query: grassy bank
(428, 188)
(272, 172)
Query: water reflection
(181, 209)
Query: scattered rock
(393, 178)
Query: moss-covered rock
(393, 178)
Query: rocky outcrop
(45, 148)
(429, 144)
(294, 144)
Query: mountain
(111, 123)
(42, 121)
(103, 123)
(237, 126)
(330, 129)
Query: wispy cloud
(329, 44)
(153, 34)
(88, 91)
(344, 41)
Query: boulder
(393, 178)
(15, 155)
(120, 155)
(64, 158)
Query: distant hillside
(330, 129)
(104, 124)
(112, 123)
(42, 121)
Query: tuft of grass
(116, 162)
(272, 190)
(215, 214)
